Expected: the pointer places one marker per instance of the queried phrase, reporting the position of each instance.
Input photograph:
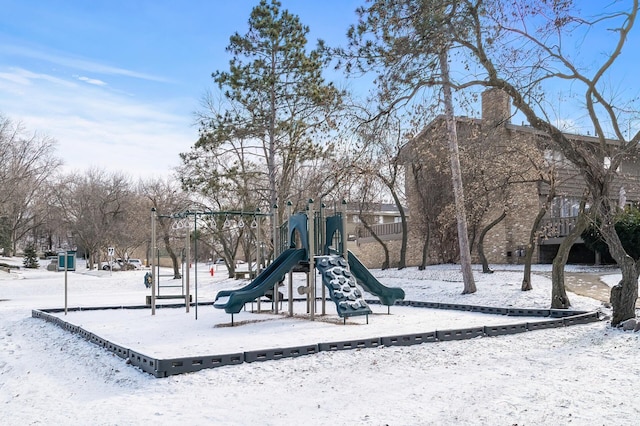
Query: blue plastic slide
(232, 301)
(387, 295)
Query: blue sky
(116, 82)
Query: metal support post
(187, 256)
(154, 249)
(343, 231)
(290, 291)
(311, 254)
(66, 268)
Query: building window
(565, 207)
(607, 164)
(553, 157)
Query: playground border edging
(279, 353)
(409, 339)
(171, 367)
(167, 367)
(371, 342)
(459, 334)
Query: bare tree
(545, 60)
(27, 163)
(367, 192)
(519, 47)
(483, 233)
(166, 196)
(456, 174)
(559, 298)
(93, 206)
(411, 55)
(379, 156)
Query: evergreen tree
(31, 258)
(274, 101)
(5, 235)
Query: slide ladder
(342, 286)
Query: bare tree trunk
(425, 250)
(559, 298)
(385, 263)
(174, 258)
(526, 279)
(405, 231)
(483, 258)
(625, 293)
(458, 192)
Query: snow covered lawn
(584, 374)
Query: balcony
(381, 230)
(553, 230)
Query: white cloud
(92, 81)
(15, 78)
(26, 78)
(98, 127)
(76, 63)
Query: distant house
(381, 216)
(501, 156)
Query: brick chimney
(496, 107)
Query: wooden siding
(571, 184)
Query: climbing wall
(342, 286)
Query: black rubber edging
(372, 342)
(171, 367)
(409, 339)
(160, 368)
(279, 353)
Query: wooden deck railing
(381, 229)
(557, 227)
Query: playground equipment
(233, 300)
(173, 286)
(342, 273)
(181, 221)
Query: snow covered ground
(584, 374)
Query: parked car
(119, 264)
(136, 263)
(116, 265)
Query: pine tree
(31, 258)
(275, 101)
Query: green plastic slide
(232, 301)
(369, 283)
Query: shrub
(628, 229)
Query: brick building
(503, 166)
